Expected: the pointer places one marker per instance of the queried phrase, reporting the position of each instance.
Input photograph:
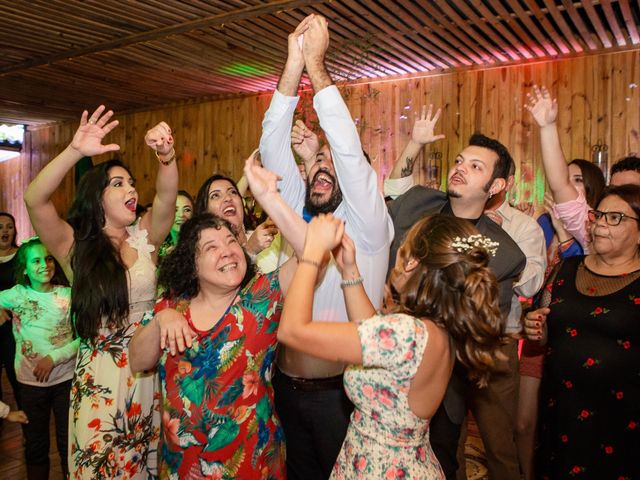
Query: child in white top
(46, 349)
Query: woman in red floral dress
(590, 403)
(218, 415)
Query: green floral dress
(386, 440)
(218, 419)
(114, 423)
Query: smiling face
(223, 200)
(39, 267)
(616, 240)
(576, 179)
(323, 192)
(220, 261)
(7, 233)
(470, 177)
(184, 211)
(119, 198)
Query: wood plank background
(598, 98)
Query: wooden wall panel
(598, 102)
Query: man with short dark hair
(479, 172)
(626, 170)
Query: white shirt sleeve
(275, 149)
(365, 208)
(4, 410)
(394, 187)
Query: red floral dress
(218, 418)
(590, 402)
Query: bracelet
(352, 282)
(166, 162)
(309, 262)
(566, 241)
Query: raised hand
(261, 181)
(175, 332)
(535, 325)
(295, 41)
(262, 237)
(424, 125)
(526, 208)
(4, 316)
(316, 40)
(324, 233)
(345, 255)
(304, 141)
(543, 108)
(88, 138)
(160, 138)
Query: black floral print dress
(590, 396)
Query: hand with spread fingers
(424, 126)
(88, 138)
(175, 332)
(160, 139)
(535, 325)
(304, 141)
(542, 107)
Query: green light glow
(239, 69)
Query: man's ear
(497, 186)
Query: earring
(490, 195)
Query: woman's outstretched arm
(55, 233)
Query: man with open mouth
(309, 393)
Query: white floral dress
(114, 422)
(386, 440)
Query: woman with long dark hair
(110, 256)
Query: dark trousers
(494, 408)
(315, 421)
(38, 402)
(7, 359)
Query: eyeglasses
(612, 218)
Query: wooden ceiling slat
(412, 64)
(566, 30)
(345, 24)
(392, 39)
(434, 28)
(613, 22)
(497, 24)
(546, 26)
(232, 16)
(492, 49)
(136, 55)
(515, 26)
(629, 21)
(595, 21)
(425, 41)
(477, 44)
(394, 25)
(579, 24)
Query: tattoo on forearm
(408, 168)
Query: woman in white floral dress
(441, 303)
(114, 417)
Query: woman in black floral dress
(590, 399)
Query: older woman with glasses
(590, 418)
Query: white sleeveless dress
(114, 419)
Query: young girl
(45, 353)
